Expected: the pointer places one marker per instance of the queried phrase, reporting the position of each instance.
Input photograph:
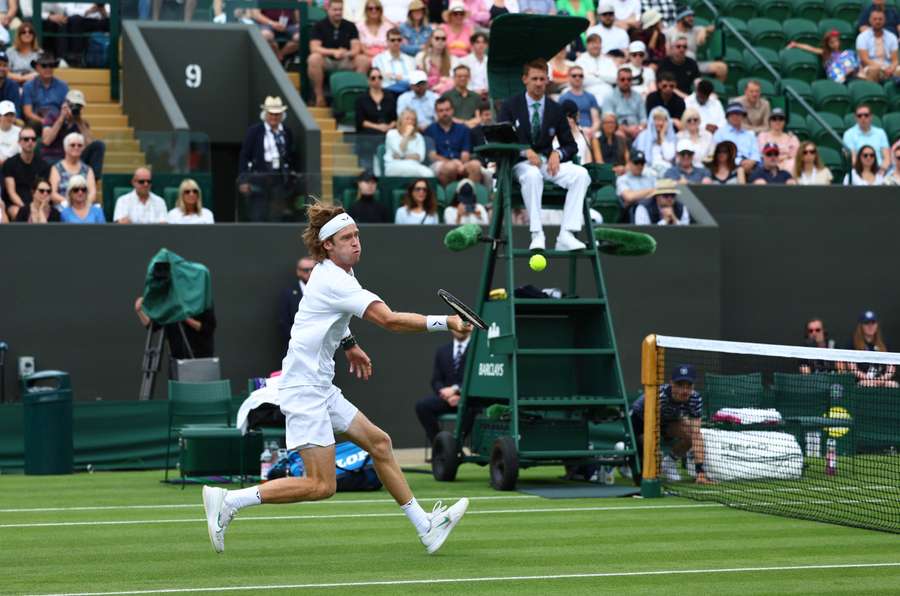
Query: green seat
(807, 395)
(847, 10)
(201, 407)
(736, 68)
(797, 124)
(702, 11)
(832, 160)
(766, 33)
(802, 89)
(876, 419)
(814, 10)
(850, 121)
(797, 64)
(869, 93)
(767, 88)
(170, 194)
(739, 9)
(346, 86)
(847, 31)
(757, 69)
(739, 25)
(892, 93)
(714, 48)
(718, 87)
(892, 126)
(606, 202)
(778, 10)
(821, 135)
(802, 31)
(831, 97)
(732, 391)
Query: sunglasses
(439, 38)
(376, 78)
(191, 191)
(681, 46)
(809, 152)
(576, 76)
(692, 120)
(142, 181)
(28, 139)
(867, 155)
(813, 329)
(26, 32)
(373, 8)
(863, 115)
(44, 191)
(76, 144)
(395, 39)
(641, 54)
(79, 189)
(625, 79)
(420, 188)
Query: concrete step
(337, 149)
(332, 136)
(93, 93)
(328, 125)
(102, 108)
(120, 145)
(320, 112)
(113, 132)
(83, 76)
(294, 77)
(108, 120)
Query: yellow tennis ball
(837, 413)
(537, 262)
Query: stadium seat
(778, 10)
(802, 89)
(714, 48)
(821, 135)
(170, 195)
(831, 97)
(814, 10)
(868, 93)
(850, 121)
(847, 31)
(606, 202)
(739, 9)
(702, 11)
(732, 391)
(797, 124)
(846, 10)
(757, 70)
(346, 86)
(892, 92)
(802, 31)
(736, 68)
(739, 26)
(832, 160)
(766, 33)
(892, 126)
(718, 88)
(766, 87)
(797, 64)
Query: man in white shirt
(9, 132)
(628, 14)
(395, 66)
(476, 60)
(599, 69)
(140, 206)
(707, 104)
(419, 99)
(615, 39)
(315, 409)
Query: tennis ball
(837, 413)
(537, 262)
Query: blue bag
(353, 466)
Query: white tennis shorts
(314, 415)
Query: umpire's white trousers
(573, 178)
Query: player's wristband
(436, 323)
(348, 342)
(698, 468)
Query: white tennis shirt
(332, 297)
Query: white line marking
(195, 520)
(200, 505)
(463, 580)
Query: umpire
(680, 410)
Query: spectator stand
(112, 49)
(758, 63)
(172, 157)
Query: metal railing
(790, 93)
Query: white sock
(417, 516)
(244, 497)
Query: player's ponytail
(318, 214)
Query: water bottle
(265, 464)
(831, 458)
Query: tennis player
(315, 409)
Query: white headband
(335, 225)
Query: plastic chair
(109, 207)
(797, 124)
(199, 406)
(702, 11)
(170, 194)
(846, 10)
(813, 10)
(766, 33)
(831, 97)
(892, 93)
(736, 67)
(869, 93)
(847, 30)
(832, 160)
(740, 9)
(346, 86)
(797, 64)
(821, 135)
(892, 125)
(757, 70)
(732, 391)
(802, 89)
(802, 31)
(778, 10)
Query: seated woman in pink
(435, 60)
(458, 29)
(373, 29)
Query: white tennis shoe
(443, 520)
(567, 241)
(670, 469)
(217, 515)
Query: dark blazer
(444, 375)
(290, 302)
(553, 124)
(252, 157)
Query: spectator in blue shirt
(865, 133)
(419, 99)
(43, 96)
(415, 30)
(684, 171)
(744, 140)
(769, 172)
(451, 158)
(588, 108)
(9, 89)
(80, 210)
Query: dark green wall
(71, 292)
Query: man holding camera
(71, 119)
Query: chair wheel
(444, 457)
(504, 464)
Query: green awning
(186, 290)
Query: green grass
(507, 535)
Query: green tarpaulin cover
(185, 292)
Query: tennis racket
(466, 313)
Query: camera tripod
(153, 348)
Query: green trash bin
(47, 401)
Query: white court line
(200, 505)
(195, 520)
(464, 580)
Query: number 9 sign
(193, 76)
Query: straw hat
(650, 18)
(665, 187)
(273, 105)
(455, 6)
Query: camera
(76, 110)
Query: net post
(650, 487)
